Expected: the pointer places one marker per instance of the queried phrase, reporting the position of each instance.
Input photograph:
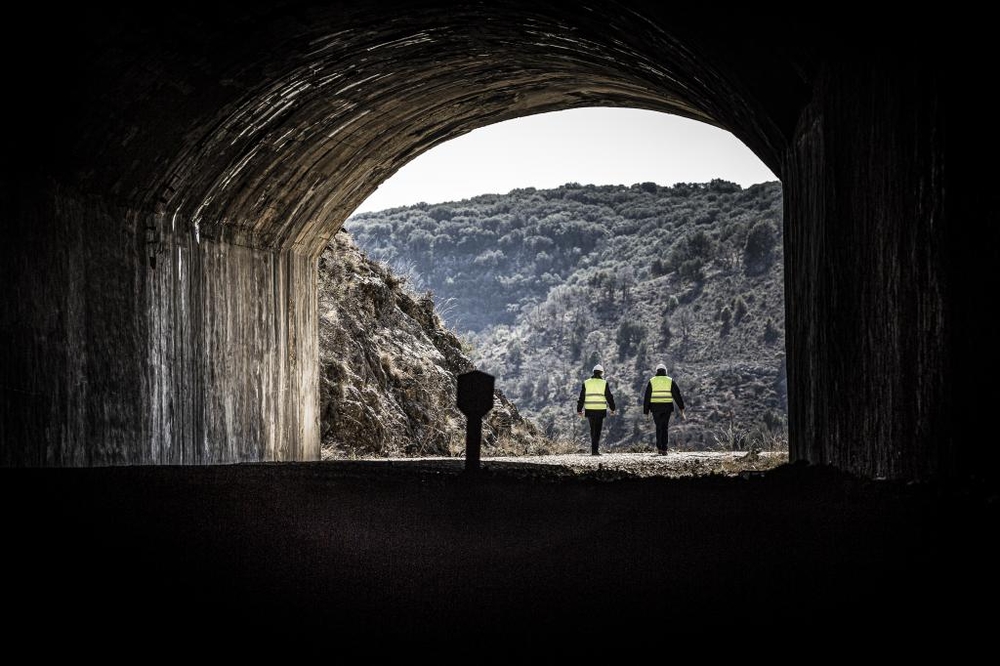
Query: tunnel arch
(318, 114)
(175, 186)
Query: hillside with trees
(542, 284)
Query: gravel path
(616, 465)
(680, 463)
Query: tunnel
(172, 173)
(171, 178)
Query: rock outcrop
(389, 368)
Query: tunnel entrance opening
(542, 282)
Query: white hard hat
(598, 368)
(661, 367)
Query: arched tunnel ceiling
(267, 123)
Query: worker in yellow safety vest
(662, 393)
(595, 401)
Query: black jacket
(675, 390)
(607, 396)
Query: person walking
(662, 393)
(595, 401)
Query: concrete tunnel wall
(198, 360)
(167, 198)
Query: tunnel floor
(361, 551)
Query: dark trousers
(661, 419)
(596, 423)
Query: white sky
(592, 146)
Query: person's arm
(610, 398)
(647, 399)
(581, 399)
(675, 392)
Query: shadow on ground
(368, 550)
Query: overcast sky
(587, 146)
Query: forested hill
(544, 283)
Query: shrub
(665, 332)
(630, 335)
(692, 269)
(758, 253)
(771, 331)
(739, 309)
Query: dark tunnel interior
(171, 176)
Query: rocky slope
(389, 369)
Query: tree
(691, 254)
(691, 269)
(626, 280)
(739, 309)
(758, 253)
(420, 240)
(628, 337)
(553, 317)
(642, 362)
(771, 331)
(575, 345)
(525, 389)
(729, 256)
(685, 322)
(610, 285)
(726, 317)
(665, 332)
(593, 358)
(515, 356)
(723, 186)
(700, 245)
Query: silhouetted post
(475, 399)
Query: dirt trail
(674, 464)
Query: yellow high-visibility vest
(661, 389)
(594, 398)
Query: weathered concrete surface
(166, 195)
(867, 243)
(199, 359)
(889, 257)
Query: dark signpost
(475, 399)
